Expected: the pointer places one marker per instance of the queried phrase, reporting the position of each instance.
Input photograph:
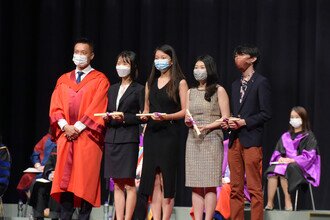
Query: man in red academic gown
(79, 134)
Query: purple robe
(301, 147)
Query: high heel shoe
(269, 208)
(288, 209)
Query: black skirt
(120, 160)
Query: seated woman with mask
(296, 159)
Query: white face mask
(295, 122)
(79, 60)
(123, 70)
(200, 74)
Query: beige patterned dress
(204, 155)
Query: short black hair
(251, 50)
(131, 58)
(84, 40)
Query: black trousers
(67, 209)
(40, 200)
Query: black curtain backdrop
(36, 41)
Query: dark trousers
(40, 200)
(245, 161)
(67, 209)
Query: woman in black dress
(165, 92)
(122, 136)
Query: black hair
(84, 40)
(176, 73)
(212, 75)
(131, 58)
(251, 50)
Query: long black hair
(176, 74)
(212, 75)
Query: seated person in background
(5, 164)
(44, 205)
(297, 159)
(39, 158)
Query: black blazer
(50, 163)
(255, 109)
(131, 103)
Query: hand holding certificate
(276, 163)
(108, 114)
(196, 129)
(151, 114)
(157, 116)
(228, 119)
(283, 160)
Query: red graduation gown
(78, 162)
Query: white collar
(87, 70)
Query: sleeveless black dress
(161, 143)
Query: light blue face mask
(161, 64)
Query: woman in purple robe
(296, 159)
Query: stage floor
(182, 213)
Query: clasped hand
(232, 123)
(71, 132)
(286, 160)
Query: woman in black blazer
(122, 135)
